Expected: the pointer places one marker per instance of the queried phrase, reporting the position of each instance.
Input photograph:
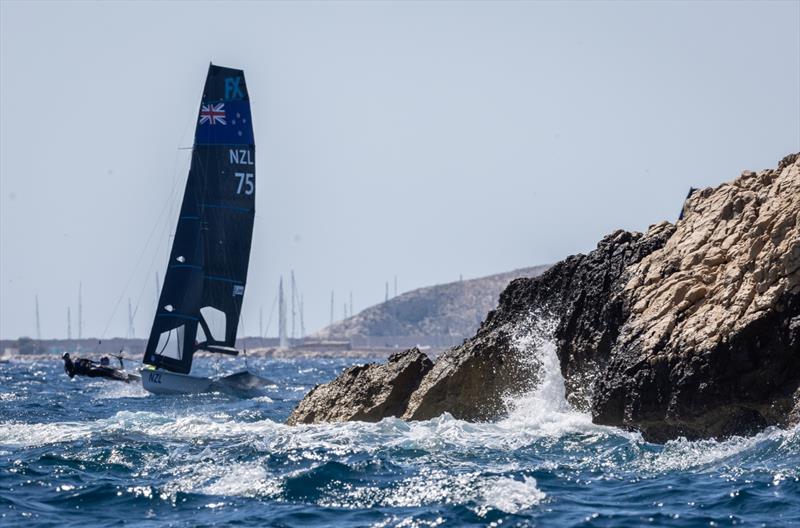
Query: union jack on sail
(212, 114)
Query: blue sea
(88, 452)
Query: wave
(540, 417)
(543, 454)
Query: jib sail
(201, 298)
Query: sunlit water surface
(93, 453)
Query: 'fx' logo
(232, 89)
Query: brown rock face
(711, 340)
(365, 393)
(731, 260)
(471, 381)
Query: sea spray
(543, 409)
(534, 346)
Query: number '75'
(246, 181)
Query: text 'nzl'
(241, 157)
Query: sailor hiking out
(92, 369)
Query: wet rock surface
(473, 381)
(711, 340)
(365, 393)
(583, 296)
(691, 329)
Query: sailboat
(201, 298)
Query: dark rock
(712, 348)
(473, 381)
(365, 393)
(735, 387)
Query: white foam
(246, 480)
(438, 486)
(509, 495)
(682, 454)
(408, 522)
(18, 434)
(108, 391)
(209, 477)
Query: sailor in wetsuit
(87, 367)
(80, 367)
(69, 366)
(93, 369)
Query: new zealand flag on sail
(224, 117)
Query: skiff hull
(166, 382)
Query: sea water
(88, 452)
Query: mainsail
(201, 298)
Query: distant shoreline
(269, 353)
(133, 348)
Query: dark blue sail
(201, 298)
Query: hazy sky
(423, 140)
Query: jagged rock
(470, 381)
(711, 340)
(365, 393)
(473, 381)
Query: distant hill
(455, 309)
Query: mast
(282, 340)
(294, 308)
(80, 310)
(131, 331)
(38, 325)
(302, 322)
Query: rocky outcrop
(474, 380)
(365, 393)
(711, 340)
(691, 329)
